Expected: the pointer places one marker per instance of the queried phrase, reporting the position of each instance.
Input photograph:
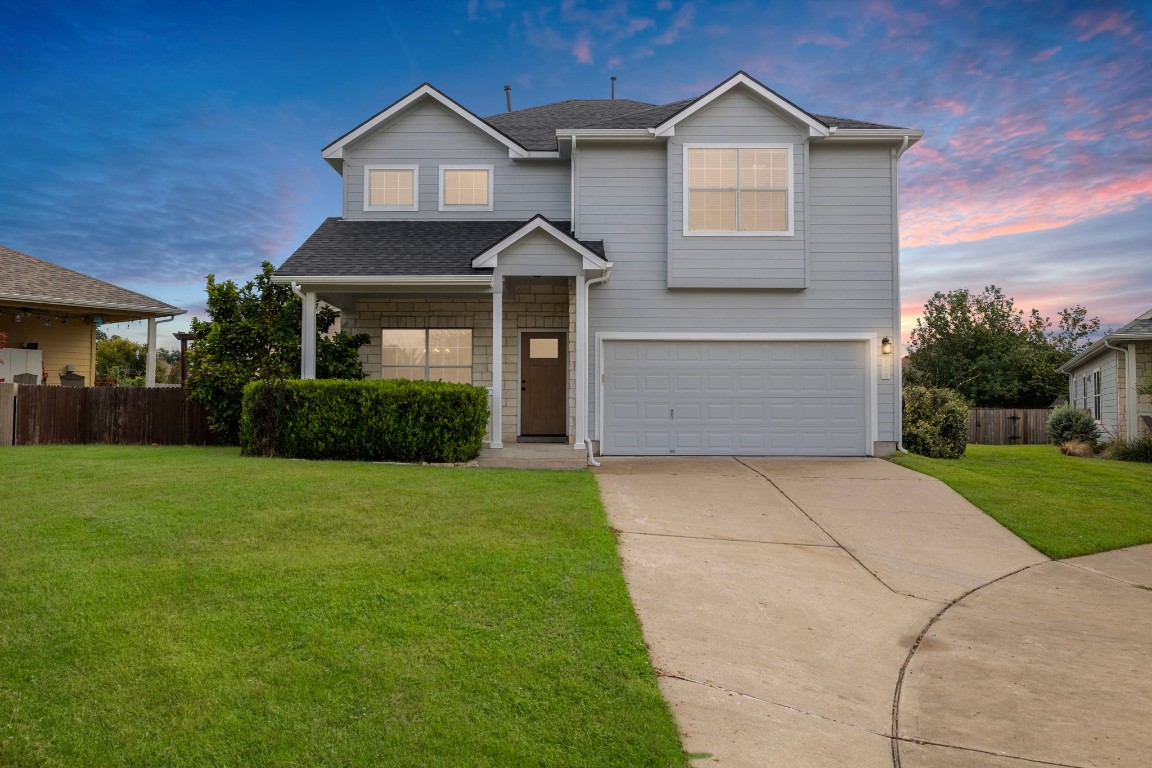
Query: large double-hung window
(738, 189)
(427, 354)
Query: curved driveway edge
(780, 597)
(1052, 666)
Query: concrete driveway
(849, 612)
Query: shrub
(1139, 449)
(1071, 423)
(935, 422)
(363, 420)
(1077, 448)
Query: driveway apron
(780, 597)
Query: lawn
(189, 607)
(1062, 505)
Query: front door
(543, 380)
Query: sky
(152, 143)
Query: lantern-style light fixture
(886, 346)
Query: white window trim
(686, 195)
(428, 367)
(491, 187)
(415, 187)
(1096, 401)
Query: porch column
(308, 335)
(581, 363)
(497, 427)
(150, 363)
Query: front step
(533, 456)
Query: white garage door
(768, 398)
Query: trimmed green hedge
(363, 420)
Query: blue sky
(150, 143)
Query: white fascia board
(488, 259)
(815, 127)
(29, 299)
(384, 280)
(1099, 346)
(613, 134)
(875, 134)
(335, 150)
(515, 153)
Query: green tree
(254, 334)
(121, 359)
(993, 354)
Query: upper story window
(738, 190)
(391, 187)
(465, 187)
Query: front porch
(413, 337)
(496, 304)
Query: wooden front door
(543, 383)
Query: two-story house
(718, 275)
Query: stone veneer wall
(544, 306)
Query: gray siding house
(719, 275)
(1103, 380)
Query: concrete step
(533, 456)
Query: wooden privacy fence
(1008, 426)
(43, 415)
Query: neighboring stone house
(719, 275)
(1103, 380)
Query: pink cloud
(821, 39)
(1080, 134)
(681, 22)
(1092, 23)
(1044, 55)
(582, 50)
(957, 212)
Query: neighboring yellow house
(54, 311)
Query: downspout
(1129, 390)
(584, 332)
(296, 290)
(572, 189)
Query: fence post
(8, 414)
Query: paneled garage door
(769, 398)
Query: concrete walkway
(802, 611)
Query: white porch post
(308, 336)
(581, 363)
(497, 428)
(150, 364)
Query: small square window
(391, 187)
(466, 188)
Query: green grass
(189, 607)
(1062, 505)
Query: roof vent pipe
(508, 96)
(613, 87)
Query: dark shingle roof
(25, 278)
(1142, 324)
(535, 128)
(378, 248)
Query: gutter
(462, 280)
(583, 332)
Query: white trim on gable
(489, 259)
(334, 152)
(815, 127)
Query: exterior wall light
(886, 346)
